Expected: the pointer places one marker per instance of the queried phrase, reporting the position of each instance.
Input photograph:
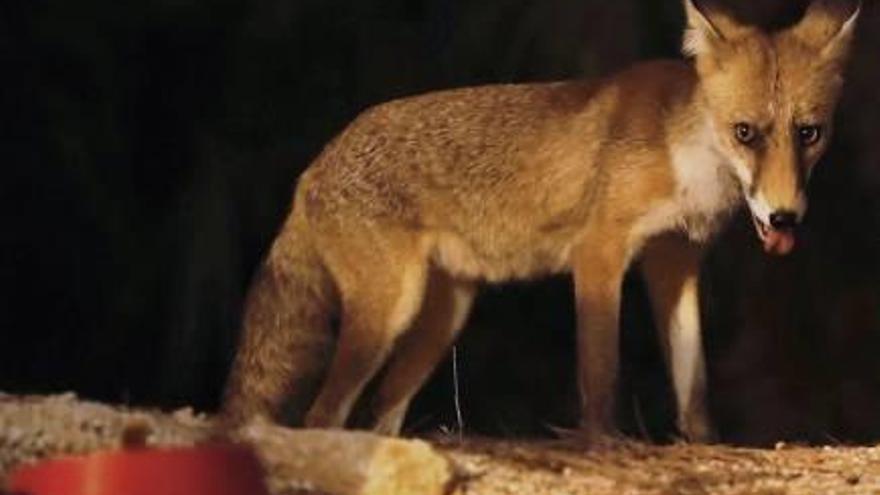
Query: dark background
(149, 152)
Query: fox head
(770, 99)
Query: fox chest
(705, 195)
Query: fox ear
(828, 29)
(706, 29)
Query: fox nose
(783, 219)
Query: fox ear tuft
(828, 28)
(700, 33)
(706, 29)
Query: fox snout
(776, 222)
(776, 195)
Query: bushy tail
(287, 337)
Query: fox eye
(809, 134)
(745, 133)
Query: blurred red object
(203, 470)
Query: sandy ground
(499, 467)
(36, 428)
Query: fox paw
(697, 429)
(594, 439)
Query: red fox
(420, 200)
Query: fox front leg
(598, 266)
(671, 267)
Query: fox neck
(707, 188)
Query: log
(333, 462)
(349, 462)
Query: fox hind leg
(380, 298)
(445, 310)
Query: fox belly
(499, 261)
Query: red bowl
(204, 470)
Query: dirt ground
(514, 468)
(34, 428)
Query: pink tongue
(778, 242)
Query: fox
(422, 200)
